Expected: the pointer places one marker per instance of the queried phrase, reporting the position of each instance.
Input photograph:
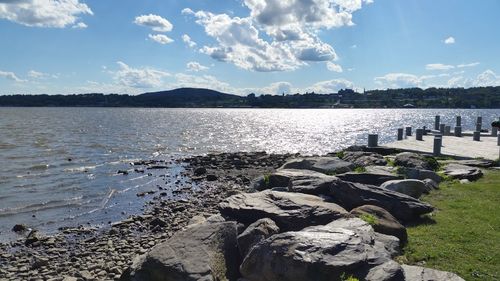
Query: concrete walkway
(453, 146)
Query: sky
(246, 46)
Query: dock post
(408, 131)
(372, 140)
(498, 140)
(458, 131)
(438, 142)
(478, 127)
(425, 130)
(441, 128)
(477, 136)
(437, 120)
(494, 131)
(419, 134)
(459, 121)
(400, 134)
(479, 120)
(447, 130)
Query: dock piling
(441, 128)
(408, 131)
(419, 134)
(437, 121)
(459, 121)
(458, 131)
(400, 134)
(447, 130)
(372, 140)
(477, 136)
(438, 142)
(494, 131)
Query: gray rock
(255, 233)
(418, 174)
(259, 183)
(363, 159)
(290, 211)
(342, 248)
(431, 184)
(413, 188)
(368, 178)
(385, 222)
(325, 165)
(385, 170)
(417, 273)
(461, 172)
(379, 149)
(351, 195)
(205, 252)
(480, 163)
(414, 160)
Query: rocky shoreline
(257, 217)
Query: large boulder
(368, 178)
(204, 252)
(413, 188)
(255, 233)
(418, 174)
(384, 222)
(405, 208)
(363, 159)
(350, 195)
(462, 172)
(325, 165)
(346, 247)
(417, 273)
(290, 211)
(414, 160)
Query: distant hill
(480, 97)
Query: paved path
(452, 146)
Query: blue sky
(244, 46)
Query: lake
(60, 164)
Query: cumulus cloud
(44, 13)
(160, 38)
(449, 40)
(196, 66)
(139, 77)
(203, 81)
(439, 66)
(399, 80)
(155, 22)
(291, 27)
(330, 86)
(189, 42)
(10, 76)
(79, 25)
(334, 67)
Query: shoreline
(106, 252)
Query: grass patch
(390, 162)
(340, 154)
(433, 163)
(360, 170)
(267, 179)
(464, 234)
(370, 219)
(348, 278)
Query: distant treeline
(482, 97)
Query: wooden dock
(463, 147)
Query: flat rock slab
(481, 163)
(342, 248)
(417, 273)
(290, 211)
(413, 188)
(461, 172)
(369, 178)
(414, 160)
(363, 159)
(204, 252)
(384, 223)
(325, 165)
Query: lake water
(40, 187)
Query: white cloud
(40, 75)
(43, 13)
(330, 86)
(399, 80)
(160, 38)
(139, 77)
(155, 22)
(487, 78)
(196, 66)
(291, 27)
(449, 40)
(79, 25)
(334, 67)
(438, 66)
(204, 81)
(190, 43)
(468, 64)
(11, 76)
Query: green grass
(267, 179)
(360, 170)
(340, 154)
(463, 235)
(370, 219)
